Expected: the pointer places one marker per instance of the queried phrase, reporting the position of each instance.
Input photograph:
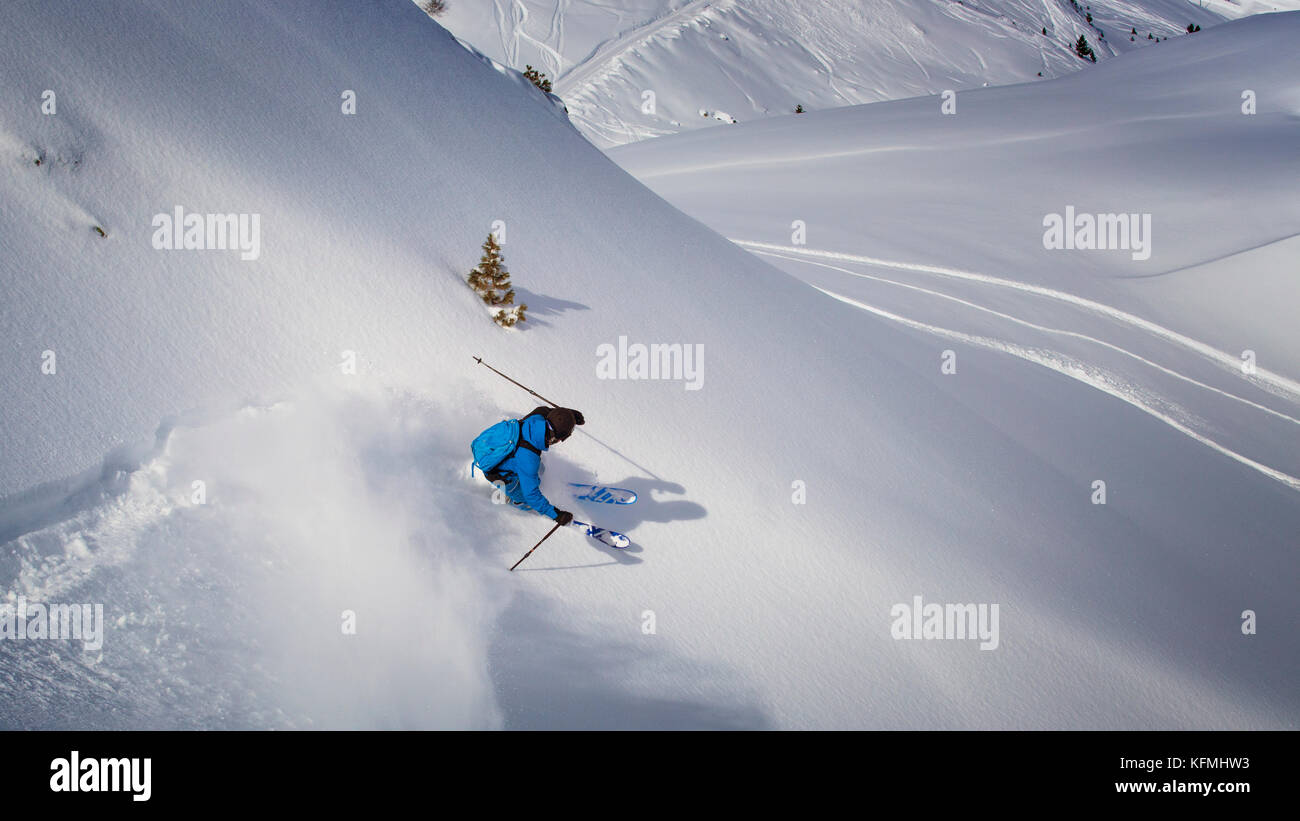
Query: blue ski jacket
(525, 465)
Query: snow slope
(1241, 8)
(935, 223)
(716, 61)
(1157, 134)
(325, 492)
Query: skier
(518, 472)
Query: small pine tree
(433, 8)
(1089, 16)
(508, 318)
(491, 281)
(1084, 50)
(499, 282)
(1133, 31)
(798, 109)
(537, 78)
(491, 276)
(1044, 30)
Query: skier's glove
(577, 417)
(563, 517)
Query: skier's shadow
(654, 503)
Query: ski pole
(539, 544)
(513, 382)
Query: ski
(584, 492)
(600, 534)
(603, 494)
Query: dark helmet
(561, 422)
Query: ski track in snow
(513, 27)
(1045, 329)
(1161, 408)
(605, 59)
(1274, 383)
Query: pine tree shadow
(541, 307)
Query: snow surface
(328, 492)
(934, 223)
(1242, 8)
(761, 58)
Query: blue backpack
(499, 442)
